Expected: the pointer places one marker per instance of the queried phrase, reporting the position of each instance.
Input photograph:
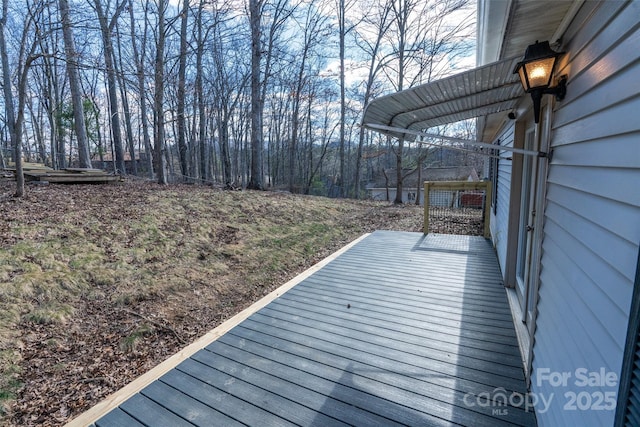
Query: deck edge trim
(120, 396)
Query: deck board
(480, 350)
(149, 412)
(407, 309)
(419, 300)
(383, 323)
(118, 417)
(379, 372)
(398, 330)
(186, 407)
(217, 397)
(378, 367)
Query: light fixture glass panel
(539, 72)
(523, 78)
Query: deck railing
(457, 207)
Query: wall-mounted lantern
(536, 74)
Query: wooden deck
(72, 176)
(38, 172)
(401, 329)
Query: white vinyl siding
(592, 215)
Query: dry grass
(100, 283)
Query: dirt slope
(98, 284)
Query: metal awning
(484, 90)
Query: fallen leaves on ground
(98, 284)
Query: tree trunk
(141, 87)
(182, 71)
(401, 13)
(125, 106)
(386, 183)
(84, 156)
(312, 27)
(223, 134)
(257, 105)
(106, 27)
(342, 30)
(159, 95)
(14, 133)
(202, 121)
(375, 65)
(419, 184)
(399, 175)
(50, 103)
(37, 130)
(356, 184)
(14, 130)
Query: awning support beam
(421, 134)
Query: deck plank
(298, 384)
(437, 361)
(118, 418)
(442, 314)
(288, 411)
(149, 412)
(378, 377)
(504, 337)
(340, 385)
(401, 329)
(414, 289)
(417, 299)
(218, 398)
(480, 351)
(187, 407)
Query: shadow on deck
(401, 329)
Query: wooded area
(256, 93)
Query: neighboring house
(566, 227)
(385, 188)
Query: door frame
(543, 132)
(526, 216)
(525, 314)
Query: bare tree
(140, 75)
(182, 72)
(199, 88)
(14, 128)
(314, 29)
(107, 25)
(158, 98)
(326, 134)
(220, 109)
(84, 156)
(378, 20)
(229, 83)
(122, 80)
(257, 104)
(343, 10)
(26, 56)
(417, 51)
(49, 77)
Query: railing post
(426, 207)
